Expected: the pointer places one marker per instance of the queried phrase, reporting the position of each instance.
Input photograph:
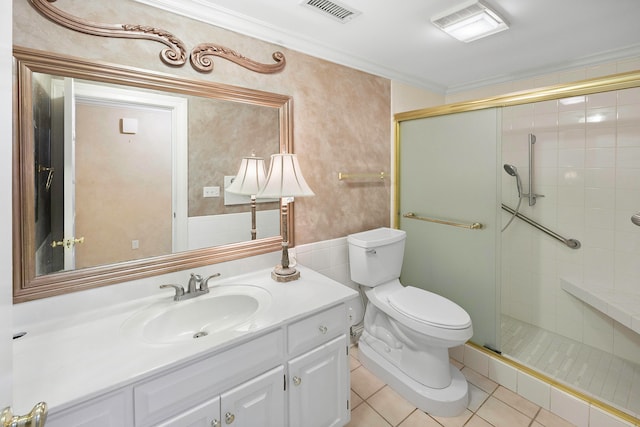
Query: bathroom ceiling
(396, 39)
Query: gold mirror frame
(26, 285)
(584, 87)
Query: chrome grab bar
(531, 195)
(572, 243)
(474, 226)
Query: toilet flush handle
(370, 251)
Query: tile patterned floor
(595, 372)
(375, 404)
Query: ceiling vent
(332, 9)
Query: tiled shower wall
(587, 166)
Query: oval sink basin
(224, 308)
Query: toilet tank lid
(376, 237)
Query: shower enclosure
(566, 275)
(566, 312)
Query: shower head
(510, 169)
(513, 171)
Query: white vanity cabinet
(295, 373)
(318, 378)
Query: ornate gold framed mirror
(217, 110)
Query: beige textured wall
(341, 115)
(221, 133)
(123, 184)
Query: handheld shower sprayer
(513, 171)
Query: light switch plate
(211, 191)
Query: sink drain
(200, 334)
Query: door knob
(229, 418)
(297, 380)
(68, 243)
(35, 418)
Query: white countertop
(76, 358)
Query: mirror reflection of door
(107, 188)
(54, 124)
(48, 131)
(69, 173)
(123, 182)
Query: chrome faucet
(196, 287)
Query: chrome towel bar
(572, 243)
(474, 226)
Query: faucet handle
(204, 285)
(179, 291)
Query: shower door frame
(613, 82)
(446, 255)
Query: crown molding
(209, 13)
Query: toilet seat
(441, 312)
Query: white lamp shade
(284, 178)
(250, 177)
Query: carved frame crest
(175, 53)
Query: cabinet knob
(323, 329)
(215, 423)
(229, 418)
(297, 380)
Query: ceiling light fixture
(470, 21)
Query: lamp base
(288, 274)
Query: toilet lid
(427, 307)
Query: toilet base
(450, 401)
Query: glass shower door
(449, 169)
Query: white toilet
(407, 331)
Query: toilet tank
(375, 256)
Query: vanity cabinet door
(204, 415)
(258, 402)
(318, 385)
(176, 391)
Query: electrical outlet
(211, 191)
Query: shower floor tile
(590, 370)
